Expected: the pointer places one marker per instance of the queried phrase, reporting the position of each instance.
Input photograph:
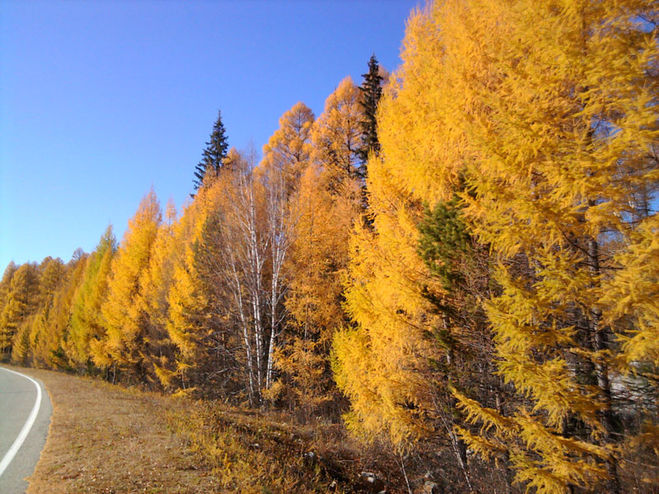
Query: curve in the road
(20, 439)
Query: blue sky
(101, 100)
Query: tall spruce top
(213, 154)
(371, 89)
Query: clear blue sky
(101, 100)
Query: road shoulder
(106, 438)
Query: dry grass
(108, 439)
(251, 451)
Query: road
(24, 417)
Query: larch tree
(6, 281)
(314, 267)
(87, 322)
(288, 149)
(21, 302)
(125, 331)
(52, 275)
(336, 134)
(199, 299)
(547, 153)
(188, 302)
(558, 129)
(152, 300)
(5, 285)
(321, 214)
(52, 271)
(52, 331)
(214, 153)
(392, 364)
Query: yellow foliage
(547, 115)
(632, 295)
(288, 149)
(336, 134)
(121, 313)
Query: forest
(458, 260)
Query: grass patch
(250, 451)
(105, 438)
(108, 439)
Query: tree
(52, 275)
(5, 283)
(123, 321)
(336, 134)
(233, 262)
(21, 302)
(288, 149)
(189, 312)
(152, 303)
(371, 90)
(214, 153)
(286, 157)
(87, 323)
(52, 327)
(317, 260)
(52, 271)
(389, 363)
(535, 138)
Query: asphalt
(18, 396)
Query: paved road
(24, 418)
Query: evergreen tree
(371, 90)
(214, 153)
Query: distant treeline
(461, 258)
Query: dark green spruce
(371, 89)
(214, 153)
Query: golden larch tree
(123, 320)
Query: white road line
(6, 460)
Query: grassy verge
(109, 439)
(104, 438)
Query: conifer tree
(387, 364)
(51, 327)
(317, 260)
(191, 318)
(152, 301)
(52, 275)
(186, 302)
(87, 322)
(124, 323)
(371, 90)
(288, 149)
(547, 181)
(5, 283)
(336, 134)
(213, 155)
(21, 302)
(52, 271)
